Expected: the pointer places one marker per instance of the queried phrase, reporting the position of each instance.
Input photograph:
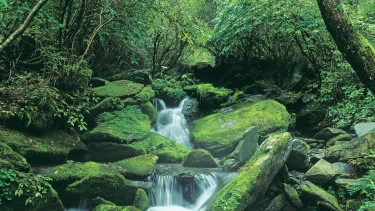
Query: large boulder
(121, 89)
(248, 145)
(358, 147)
(328, 133)
(364, 128)
(143, 96)
(96, 82)
(150, 111)
(200, 158)
(141, 200)
(220, 133)
(50, 146)
(326, 200)
(293, 195)
(238, 95)
(256, 175)
(112, 187)
(298, 158)
(11, 159)
(122, 127)
(339, 139)
(321, 173)
(211, 96)
(138, 167)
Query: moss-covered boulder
(259, 87)
(122, 127)
(12, 159)
(138, 167)
(190, 110)
(238, 95)
(121, 89)
(277, 203)
(293, 195)
(208, 95)
(321, 173)
(112, 152)
(142, 97)
(289, 98)
(96, 82)
(138, 76)
(325, 200)
(357, 148)
(112, 187)
(34, 194)
(220, 133)
(200, 158)
(99, 200)
(256, 175)
(168, 151)
(141, 200)
(50, 146)
(298, 158)
(107, 207)
(150, 111)
(107, 105)
(338, 139)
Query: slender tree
(353, 46)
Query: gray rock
(310, 140)
(348, 183)
(298, 158)
(334, 153)
(337, 140)
(344, 168)
(328, 133)
(356, 147)
(363, 128)
(248, 145)
(317, 154)
(277, 203)
(190, 110)
(231, 165)
(293, 195)
(326, 200)
(321, 172)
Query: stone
(277, 203)
(298, 158)
(231, 165)
(238, 95)
(289, 98)
(96, 82)
(144, 96)
(256, 175)
(344, 168)
(190, 110)
(200, 158)
(248, 145)
(150, 111)
(326, 200)
(220, 133)
(112, 152)
(99, 200)
(359, 146)
(139, 167)
(334, 153)
(321, 172)
(210, 96)
(107, 207)
(141, 200)
(328, 133)
(317, 154)
(349, 183)
(338, 139)
(12, 160)
(138, 76)
(364, 128)
(293, 195)
(121, 89)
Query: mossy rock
(137, 76)
(259, 87)
(150, 111)
(106, 207)
(138, 167)
(99, 200)
(142, 97)
(109, 104)
(12, 159)
(47, 201)
(112, 187)
(200, 158)
(124, 127)
(220, 133)
(168, 151)
(121, 89)
(238, 95)
(326, 200)
(50, 146)
(356, 148)
(338, 139)
(141, 200)
(96, 82)
(191, 110)
(208, 95)
(328, 133)
(277, 203)
(112, 152)
(293, 195)
(256, 175)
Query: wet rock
(211, 96)
(289, 98)
(191, 110)
(139, 167)
(344, 168)
(256, 175)
(321, 172)
(339, 139)
(200, 158)
(293, 195)
(12, 160)
(231, 165)
(96, 82)
(349, 183)
(220, 133)
(277, 203)
(141, 200)
(121, 89)
(364, 128)
(326, 200)
(328, 133)
(298, 158)
(150, 111)
(112, 152)
(333, 154)
(248, 145)
(317, 154)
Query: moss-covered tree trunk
(353, 46)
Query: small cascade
(177, 194)
(84, 205)
(229, 98)
(172, 123)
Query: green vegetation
(138, 167)
(169, 87)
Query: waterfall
(172, 123)
(178, 194)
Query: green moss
(107, 105)
(109, 186)
(150, 111)
(121, 89)
(16, 161)
(238, 95)
(211, 95)
(353, 204)
(124, 126)
(253, 179)
(51, 146)
(144, 96)
(96, 81)
(106, 207)
(318, 194)
(141, 200)
(137, 76)
(99, 200)
(230, 156)
(139, 166)
(341, 137)
(166, 150)
(221, 132)
(200, 158)
(356, 148)
(293, 195)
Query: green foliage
(206, 90)
(232, 203)
(7, 177)
(168, 86)
(366, 190)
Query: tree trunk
(353, 46)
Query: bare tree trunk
(24, 26)
(353, 46)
